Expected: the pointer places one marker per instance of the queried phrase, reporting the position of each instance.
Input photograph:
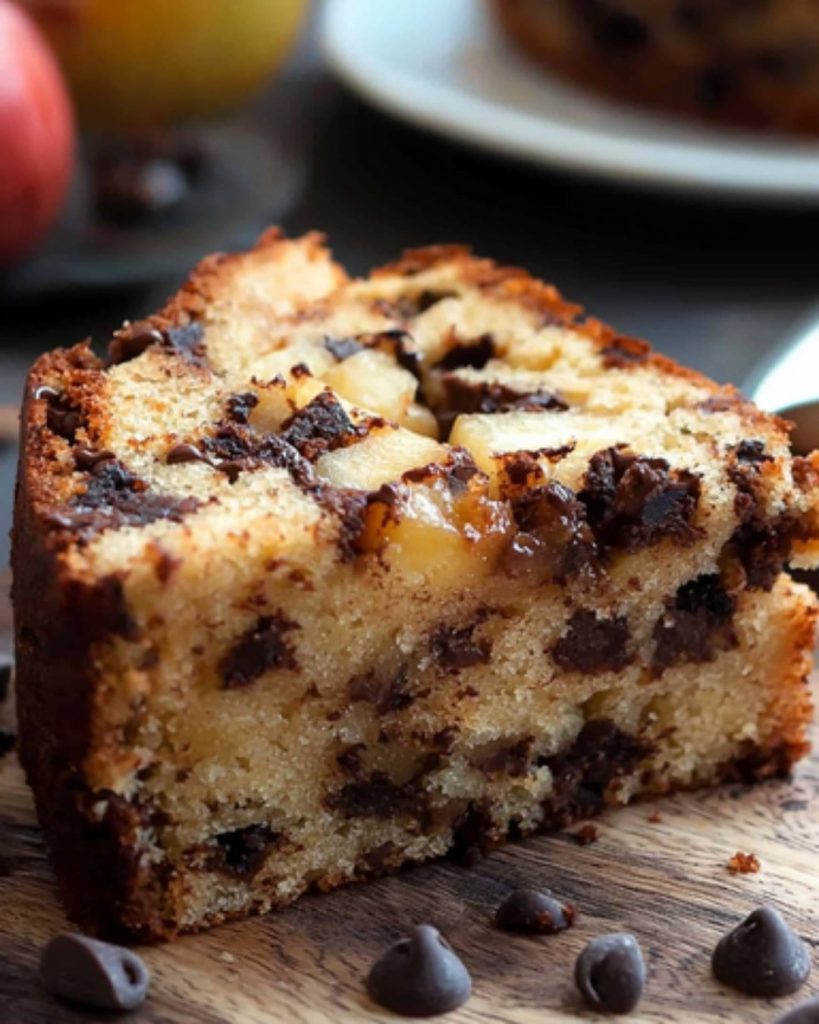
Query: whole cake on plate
(753, 63)
(314, 577)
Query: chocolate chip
(263, 647)
(93, 973)
(419, 976)
(696, 625)
(62, 418)
(583, 772)
(6, 670)
(243, 851)
(633, 502)
(321, 426)
(804, 1013)
(475, 353)
(240, 406)
(537, 913)
(752, 452)
(454, 649)
(762, 956)
(610, 973)
(114, 497)
(554, 540)
(86, 458)
(593, 645)
(469, 396)
(184, 452)
(133, 341)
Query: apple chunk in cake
(318, 576)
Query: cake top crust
(273, 395)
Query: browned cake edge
(58, 620)
(649, 76)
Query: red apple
(36, 134)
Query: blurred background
(137, 136)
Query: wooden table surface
(664, 880)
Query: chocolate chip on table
(610, 973)
(133, 341)
(804, 1013)
(420, 976)
(762, 956)
(537, 913)
(93, 973)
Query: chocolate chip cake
(753, 63)
(315, 577)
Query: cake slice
(315, 577)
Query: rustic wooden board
(664, 880)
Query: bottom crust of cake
(126, 872)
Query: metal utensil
(786, 382)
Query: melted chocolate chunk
(554, 540)
(762, 956)
(764, 546)
(93, 974)
(804, 1013)
(321, 426)
(457, 469)
(405, 307)
(183, 452)
(420, 976)
(377, 796)
(465, 396)
(62, 418)
(634, 502)
(239, 407)
(243, 851)
(696, 625)
(455, 649)
(475, 353)
(534, 913)
(610, 973)
(263, 647)
(233, 449)
(752, 452)
(592, 645)
(387, 692)
(349, 507)
(187, 340)
(133, 341)
(87, 458)
(342, 348)
(581, 774)
(114, 498)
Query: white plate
(441, 65)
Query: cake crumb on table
(743, 863)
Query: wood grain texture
(665, 880)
